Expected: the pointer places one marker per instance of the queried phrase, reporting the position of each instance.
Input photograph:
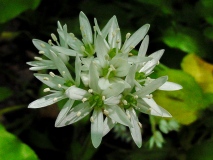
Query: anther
(118, 41)
(52, 74)
(78, 114)
(131, 47)
(124, 102)
(55, 99)
(46, 90)
(103, 98)
(90, 90)
(41, 52)
(136, 96)
(149, 96)
(42, 45)
(50, 42)
(128, 35)
(130, 54)
(106, 112)
(46, 78)
(59, 85)
(54, 37)
(140, 125)
(91, 119)
(72, 35)
(82, 48)
(84, 100)
(38, 58)
(63, 72)
(158, 62)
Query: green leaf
(184, 104)
(5, 93)
(12, 8)
(13, 148)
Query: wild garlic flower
(110, 83)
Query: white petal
(47, 100)
(61, 67)
(62, 114)
(144, 46)
(52, 81)
(93, 78)
(135, 38)
(77, 70)
(112, 100)
(85, 79)
(75, 93)
(130, 79)
(40, 65)
(66, 51)
(73, 116)
(102, 50)
(103, 83)
(42, 46)
(84, 22)
(108, 125)
(114, 90)
(153, 106)
(97, 127)
(170, 86)
(121, 65)
(152, 86)
(135, 130)
(118, 115)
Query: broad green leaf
(5, 93)
(200, 70)
(13, 148)
(188, 40)
(12, 8)
(184, 104)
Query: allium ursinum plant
(109, 82)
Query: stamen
(46, 78)
(72, 35)
(140, 125)
(55, 99)
(158, 62)
(149, 96)
(52, 74)
(91, 119)
(59, 85)
(131, 47)
(82, 48)
(128, 35)
(106, 112)
(103, 98)
(63, 72)
(50, 42)
(90, 90)
(42, 45)
(136, 96)
(78, 114)
(130, 54)
(54, 37)
(41, 52)
(38, 58)
(124, 102)
(46, 90)
(84, 100)
(118, 41)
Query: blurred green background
(184, 28)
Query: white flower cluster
(105, 79)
